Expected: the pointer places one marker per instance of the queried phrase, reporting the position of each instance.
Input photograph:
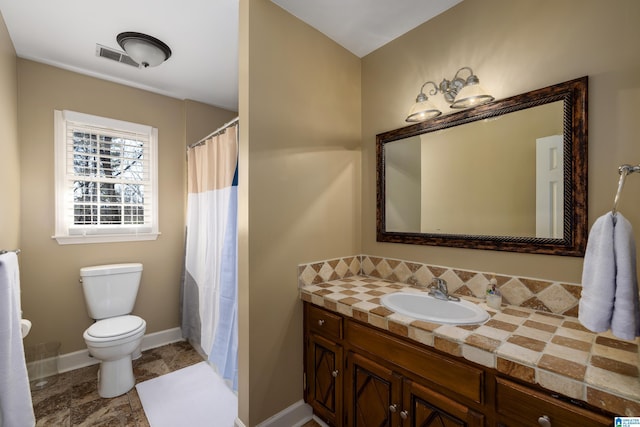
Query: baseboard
(279, 419)
(81, 358)
(319, 421)
(293, 416)
(75, 360)
(158, 339)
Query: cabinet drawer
(520, 405)
(461, 379)
(324, 322)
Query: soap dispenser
(494, 297)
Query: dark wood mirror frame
(573, 243)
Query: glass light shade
(421, 111)
(144, 49)
(471, 96)
(143, 53)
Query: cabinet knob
(544, 421)
(393, 408)
(334, 373)
(404, 415)
(320, 322)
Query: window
(106, 179)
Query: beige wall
(202, 119)
(300, 143)
(51, 295)
(9, 149)
(515, 46)
(244, 345)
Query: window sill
(104, 238)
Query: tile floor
(73, 399)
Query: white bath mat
(194, 396)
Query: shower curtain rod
(218, 131)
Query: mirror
(510, 175)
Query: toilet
(114, 339)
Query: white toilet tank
(110, 290)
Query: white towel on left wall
(16, 409)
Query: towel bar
(623, 170)
(2, 251)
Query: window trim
(61, 196)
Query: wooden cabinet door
(324, 379)
(424, 407)
(373, 394)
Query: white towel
(598, 277)
(609, 282)
(625, 321)
(16, 409)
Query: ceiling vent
(115, 55)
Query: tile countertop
(551, 350)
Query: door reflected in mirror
(510, 175)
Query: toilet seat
(114, 342)
(115, 328)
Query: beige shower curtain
(209, 294)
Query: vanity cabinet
(391, 382)
(378, 396)
(324, 363)
(429, 408)
(373, 393)
(350, 388)
(357, 375)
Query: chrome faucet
(439, 290)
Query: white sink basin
(424, 307)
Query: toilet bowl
(110, 293)
(114, 341)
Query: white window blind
(105, 179)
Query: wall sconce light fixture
(145, 50)
(460, 93)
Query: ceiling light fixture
(146, 50)
(460, 93)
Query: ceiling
(202, 34)
(362, 26)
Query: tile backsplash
(553, 297)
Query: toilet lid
(114, 326)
